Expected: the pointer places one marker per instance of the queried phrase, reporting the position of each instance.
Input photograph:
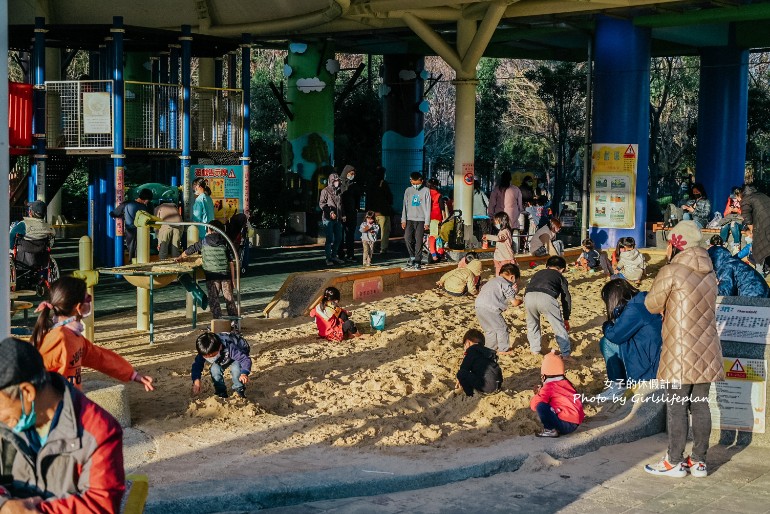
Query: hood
(332, 178)
(639, 299)
(697, 259)
(215, 239)
(635, 256)
(719, 256)
(748, 190)
(346, 169)
(475, 267)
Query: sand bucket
(377, 320)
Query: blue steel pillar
(403, 137)
(186, 43)
(36, 189)
(117, 131)
(722, 121)
(621, 113)
(246, 86)
(173, 110)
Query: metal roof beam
(752, 12)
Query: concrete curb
(308, 487)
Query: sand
(392, 393)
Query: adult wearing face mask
(698, 207)
(351, 202)
(60, 452)
(330, 203)
(755, 209)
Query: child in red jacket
(556, 401)
(333, 322)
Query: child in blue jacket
(632, 337)
(221, 351)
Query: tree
(439, 128)
(491, 109)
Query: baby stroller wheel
(41, 290)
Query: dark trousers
(692, 399)
(348, 239)
(129, 237)
(348, 327)
(217, 288)
(551, 421)
(413, 234)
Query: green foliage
(758, 134)
(268, 195)
(75, 194)
(491, 108)
(357, 126)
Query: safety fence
(79, 114)
(216, 119)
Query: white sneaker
(614, 392)
(697, 468)
(665, 468)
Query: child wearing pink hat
(556, 401)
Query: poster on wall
(97, 117)
(739, 402)
(226, 184)
(613, 185)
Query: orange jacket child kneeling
(556, 401)
(333, 322)
(60, 341)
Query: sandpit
(391, 394)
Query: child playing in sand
(590, 259)
(460, 281)
(479, 370)
(631, 262)
(218, 268)
(503, 242)
(493, 299)
(333, 322)
(58, 336)
(544, 288)
(369, 232)
(556, 401)
(221, 351)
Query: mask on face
(336, 183)
(497, 226)
(211, 360)
(351, 177)
(27, 419)
(417, 186)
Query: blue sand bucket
(377, 320)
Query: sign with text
(613, 185)
(743, 323)
(365, 288)
(226, 184)
(97, 115)
(739, 402)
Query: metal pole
(186, 42)
(117, 129)
(38, 120)
(246, 86)
(588, 147)
(86, 261)
(143, 311)
(193, 236)
(5, 279)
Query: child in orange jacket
(333, 322)
(60, 341)
(556, 401)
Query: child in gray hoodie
(631, 262)
(415, 218)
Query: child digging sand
(333, 322)
(494, 298)
(461, 281)
(222, 351)
(479, 370)
(556, 401)
(544, 288)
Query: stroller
(32, 266)
(450, 237)
(237, 229)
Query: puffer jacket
(755, 208)
(331, 199)
(79, 469)
(735, 277)
(631, 264)
(638, 334)
(685, 292)
(460, 280)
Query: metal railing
(153, 114)
(79, 114)
(216, 119)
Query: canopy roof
(538, 29)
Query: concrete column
(465, 128)
(722, 121)
(622, 108)
(403, 137)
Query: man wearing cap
(34, 227)
(129, 210)
(59, 451)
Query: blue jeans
(688, 216)
(218, 377)
(733, 228)
(616, 370)
(551, 421)
(333, 230)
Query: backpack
(716, 221)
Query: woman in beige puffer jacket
(685, 292)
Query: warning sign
(736, 370)
(468, 179)
(630, 152)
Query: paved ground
(609, 480)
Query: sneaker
(614, 392)
(697, 468)
(329, 262)
(241, 393)
(417, 266)
(409, 265)
(666, 469)
(548, 433)
(338, 261)
(222, 394)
